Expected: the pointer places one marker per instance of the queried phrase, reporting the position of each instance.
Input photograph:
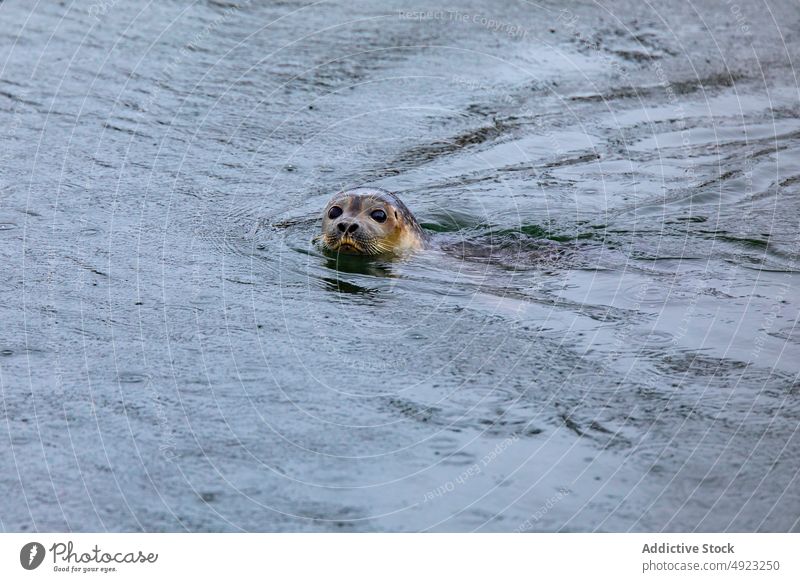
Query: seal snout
(347, 227)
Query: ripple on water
(494, 412)
(652, 294)
(132, 377)
(9, 286)
(643, 339)
(415, 411)
(459, 459)
(789, 333)
(701, 365)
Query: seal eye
(378, 216)
(334, 212)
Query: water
(602, 336)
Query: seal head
(369, 221)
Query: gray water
(602, 335)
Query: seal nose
(349, 228)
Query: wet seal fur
(369, 221)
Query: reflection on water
(606, 314)
(355, 265)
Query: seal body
(369, 221)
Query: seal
(369, 221)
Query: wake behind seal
(369, 221)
